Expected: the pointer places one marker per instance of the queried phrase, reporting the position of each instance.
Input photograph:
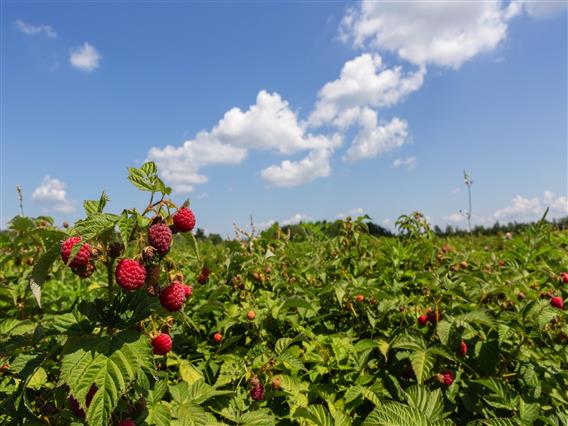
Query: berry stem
(110, 278)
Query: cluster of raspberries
(131, 274)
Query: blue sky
(288, 111)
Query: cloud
(445, 33)
(180, 166)
(267, 125)
(297, 218)
(31, 30)
(376, 138)
(409, 162)
(526, 209)
(294, 173)
(359, 211)
(52, 196)
(363, 81)
(536, 8)
(455, 191)
(455, 218)
(86, 58)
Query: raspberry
(422, 320)
(203, 275)
(276, 383)
(251, 315)
(217, 337)
(160, 237)
(564, 277)
(187, 290)
(360, 298)
(126, 422)
(162, 344)
(184, 220)
(557, 302)
(84, 271)
(74, 404)
(81, 258)
(257, 392)
(115, 249)
(130, 274)
(173, 296)
(445, 378)
(463, 348)
(434, 317)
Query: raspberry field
(126, 318)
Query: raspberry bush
(126, 318)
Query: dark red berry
(463, 348)
(422, 320)
(160, 237)
(257, 392)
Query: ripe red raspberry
(557, 302)
(126, 422)
(160, 237)
(463, 348)
(130, 274)
(422, 320)
(81, 258)
(564, 277)
(184, 220)
(74, 404)
(445, 378)
(257, 392)
(187, 290)
(251, 315)
(173, 296)
(162, 344)
(217, 337)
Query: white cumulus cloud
(359, 211)
(294, 173)
(52, 196)
(31, 30)
(363, 81)
(376, 138)
(446, 33)
(297, 218)
(85, 58)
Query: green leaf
(125, 225)
(429, 403)
(109, 362)
(40, 271)
(95, 225)
(316, 415)
(395, 414)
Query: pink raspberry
(82, 257)
(184, 220)
(257, 392)
(160, 237)
(557, 302)
(564, 277)
(162, 344)
(130, 274)
(173, 296)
